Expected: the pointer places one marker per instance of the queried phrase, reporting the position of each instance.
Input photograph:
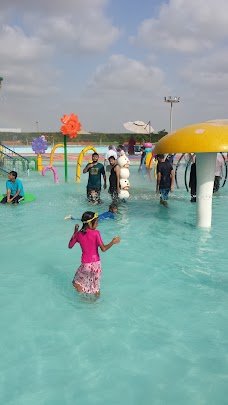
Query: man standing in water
(165, 179)
(111, 152)
(131, 146)
(218, 172)
(95, 170)
(114, 179)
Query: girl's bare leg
(77, 286)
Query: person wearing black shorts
(114, 179)
(95, 170)
(165, 179)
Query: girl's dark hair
(85, 217)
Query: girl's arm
(74, 237)
(115, 240)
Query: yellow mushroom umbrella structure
(206, 140)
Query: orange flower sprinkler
(71, 127)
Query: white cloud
(185, 26)
(93, 33)
(32, 51)
(53, 6)
(15, 46)
(122, 74)
(69, 25)
(23, 64)
(208, 73)
(33, 56)
(124, 89)
(52, 62)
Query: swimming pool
(158, 333)
(76, 149)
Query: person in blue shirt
(110, 214)
(14, 189)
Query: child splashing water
(87, 277)
(110, 214)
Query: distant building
(16, 130)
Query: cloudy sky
(112, 61)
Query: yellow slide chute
(149, 160)
(79, 163)
(149, 163)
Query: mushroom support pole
(205, 172)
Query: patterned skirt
(88, 277)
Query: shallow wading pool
(159, 332)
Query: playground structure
(189, 161)
(124, 164)
(11, 160)
(205, 139)
(79, 162)
(33, 159)
(56, 177)
(71, 128)
(51, 167)
(59, 145)
(39, 146)
(39, 162)
(78, 166)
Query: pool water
(76, 149)
(159, 332)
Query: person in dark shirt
(142, 160)
(131, 144)
(169, 158)
(95, 170)
(114, 179)
(165, 179)
(192, 181)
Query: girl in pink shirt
(87, 277)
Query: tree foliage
(95, 138)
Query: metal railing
(10, 160)
(3, 171)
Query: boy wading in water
(165, 179)
(95, 170)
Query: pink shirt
(89, 242)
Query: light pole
(1, 79)
(37, 129)
(171, 100)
